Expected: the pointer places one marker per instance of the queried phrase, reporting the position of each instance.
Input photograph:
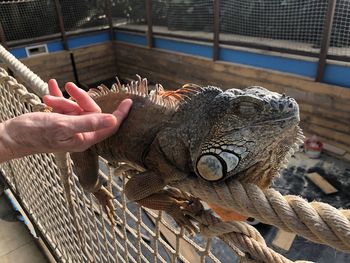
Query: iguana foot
(182, 212)
(180, 206)
(105, 198)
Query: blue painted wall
(334, 74)
(294, 66)
(184, 47)
(131, 38)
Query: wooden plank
(92, 55)
(108, 12)
(322, 183)
(216, 29)
(326, 39)
(324, 113)
(325, 122)
(333, 149)
(101, 62)
(347, 157)
(3, 37)
(324, 139)
(329, 133)
(149, 32)
(283, 240)
(61, 24)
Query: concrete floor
(16, 242)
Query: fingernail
(109, 121)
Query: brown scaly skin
(210, 134)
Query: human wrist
(8, 148)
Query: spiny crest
(159, 96)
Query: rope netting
(79, 231)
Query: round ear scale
(211, 167)
(230, 159)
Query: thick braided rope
(31, 79)
(20, 90)
(316, 221)
(241, 235)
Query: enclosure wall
(325, 109)
(91, 64)
(95, 63)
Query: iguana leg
(147, 189)
(86, 168)
(179, 207)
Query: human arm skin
(72, 127)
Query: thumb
(122, 111)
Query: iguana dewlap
(196, 131)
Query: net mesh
(179, 17)
(82, 14)
(340, 38)
(141, 235)
(288, 24)
(129, 14)
(28, 19)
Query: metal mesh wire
(179, 17)
(28, 19)
(141, 235)
(81, 14)
(292, 24)
(340, 38)
(129, 13)
(288, 23)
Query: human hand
(73, 126)
(90, 131)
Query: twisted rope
(31, 79)
(242, 236)
(21, 91)
(316, 221)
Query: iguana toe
(105, 198)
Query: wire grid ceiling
(140, 235)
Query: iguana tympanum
(196, 131)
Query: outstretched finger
(82, 98)
(89, 123)
(122, 111)
(54, 89)
(62, 105)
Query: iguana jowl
(194, 131)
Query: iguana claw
(183, 208)
(105, 198)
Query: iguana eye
(212, 167)
(247, 108)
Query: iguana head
(252, 127)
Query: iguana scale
(202, 132)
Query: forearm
(7, 151)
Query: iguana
(194, 131)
